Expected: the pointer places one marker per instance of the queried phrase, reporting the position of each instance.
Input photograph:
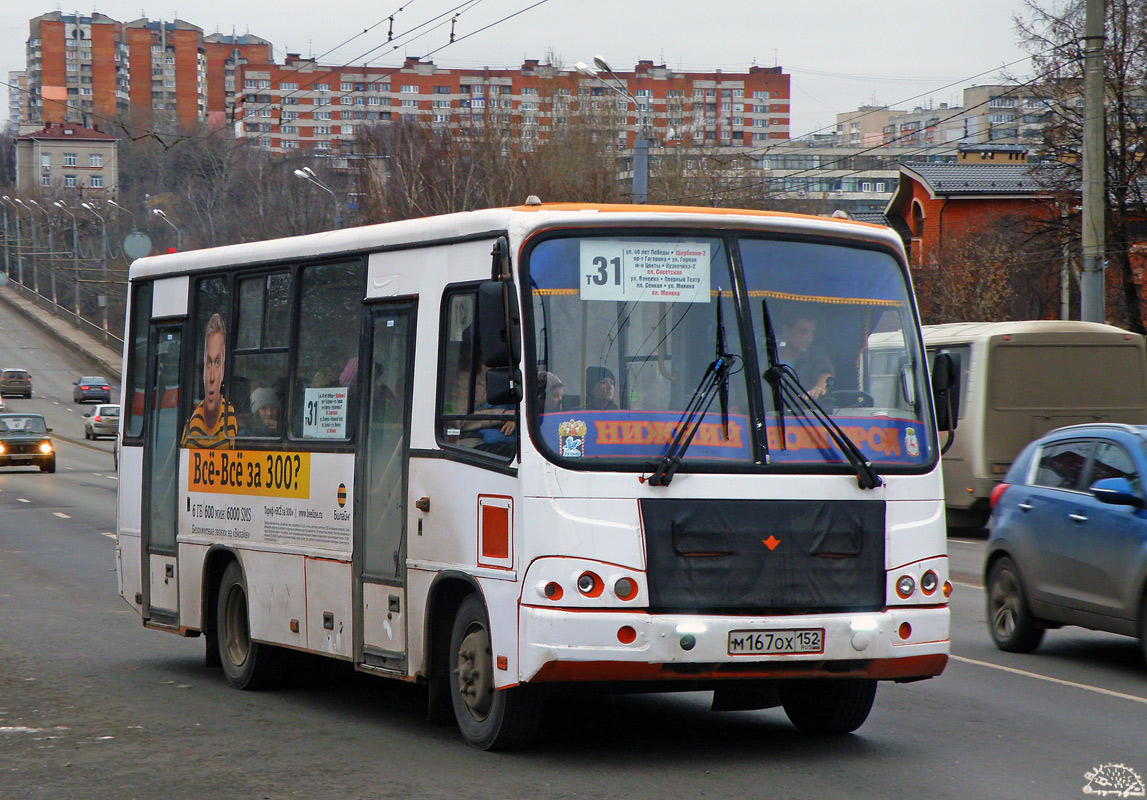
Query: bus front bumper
(900, 643)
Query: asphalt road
(92, 705)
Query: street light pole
(103, 298)
(178, 236)
(640, 192)
(308, 174)
(7, 263)
(19, 251)
(51, 255)
(75, 256)
(35, 247)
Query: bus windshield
(627, 328)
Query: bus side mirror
(946, 390)
(499, 325)
(503, 386)
(500, 341)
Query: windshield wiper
(715, 377)
(774, 359)
(787, 387)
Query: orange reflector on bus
(495, 531)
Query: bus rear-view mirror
(946, 390)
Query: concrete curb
(73, 338)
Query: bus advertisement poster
(256, 496)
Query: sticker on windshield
(651, 272)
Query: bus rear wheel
(828, 706)
(488, 718)
(246, 664)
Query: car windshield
(22, 424)
(628, 329)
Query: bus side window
(258, 384)
(326, 373)
(465, 419)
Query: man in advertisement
(212, 424)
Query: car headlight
(45, 447)
(1, 448)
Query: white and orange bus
(498, 451)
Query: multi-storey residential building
(301, 104)
(77, 68)
(863, 127)
(65, 159)
(17, 100)
(96, 71)
(225, 54)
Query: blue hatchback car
(1068, 537)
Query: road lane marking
(968, 585)
(61, 515)
(23, 500)
(1132, 697)
(107, 534)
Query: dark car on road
(15, 381)
(24, 441)
(103, 420)
(93, 389)
(1067, 541)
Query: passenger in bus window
(551, 392)
(212, 423)
(265, 410)
(811, 363)
(600, 389)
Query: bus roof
(519, 220)
(1049, 329)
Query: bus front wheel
(246, 664)
(488, 718)
(828, 706)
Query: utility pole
(1092, 285)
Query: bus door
(159, 516)
(384, 446)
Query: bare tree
(1054, 35)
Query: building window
(290, 144)
(289, 87)
(45, 179)
(322, 87)
(97, 182)
(346, 100)
(441, 90)
(289, 130)
(95, 160)
(45, 160)
(322, 130)
(409, 89)
(374, 101)
(346, 86)
(70, 181)
(69, 159)
(322, 115)
(410, 104)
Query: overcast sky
(840, 53)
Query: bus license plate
(809, 640)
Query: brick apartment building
(304, 105)
(95, 71)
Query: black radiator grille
(765, 556)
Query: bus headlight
(905, 586)
(929, 582)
